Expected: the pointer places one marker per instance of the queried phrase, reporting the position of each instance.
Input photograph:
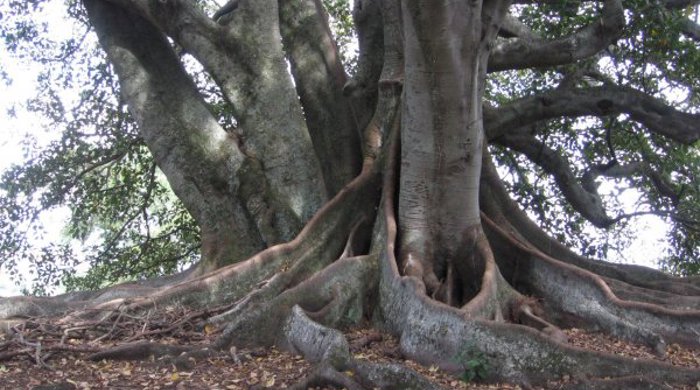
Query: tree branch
(511, 27)
(243, 53)
(527, 52)
(690, 29)
(103, 162)
(319, 79)
(186, 141)
(661, 183)
(584, 200)
(599, 101)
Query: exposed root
(495, 296)
(433, 333)
(631, 302)
(358, 240)
(524, 312)
(576, 297)
(630, 292)
(629, 382)
(287, 279)
(325, 375)
(502, 209)
(330, 349)
(294, 294)
(29, 307)
(180, 356)
(42, 339)
(338, 296)
(139, 351)
(324, 237)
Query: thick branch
(244, 55)
(662, 184)
(511, 27)
(520, 53)
(583, 199)
(319, 79)
(187, 142)
(599, 101)
(691, 29)
(363, 87)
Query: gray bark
(194, 152)
(244, 55)
(446, 47)
(605, 100)
(319, 78)
(527, 51)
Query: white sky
(645, 250)
(14, 128)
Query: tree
(322, 201)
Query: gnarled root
(331, 351)
(431, 333)
(434, 333)
(336, 296)
(324, 238)
(577, 297)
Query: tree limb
(583, 199)
(690, 29)
(520, 53)
(511, 27)
(187, 142)
(244, 55)
(662, 184)
(319, 79)
(226, 9)
(599, 101)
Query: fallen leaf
(269, 382)
(209, 329)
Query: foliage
(343, 28)
(124, 220)
(652, 56)
(474, 362)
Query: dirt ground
(259, 369)
(64, 369)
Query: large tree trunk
(441, 143)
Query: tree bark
(195, 153)
(446, 47)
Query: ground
(42, 355)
